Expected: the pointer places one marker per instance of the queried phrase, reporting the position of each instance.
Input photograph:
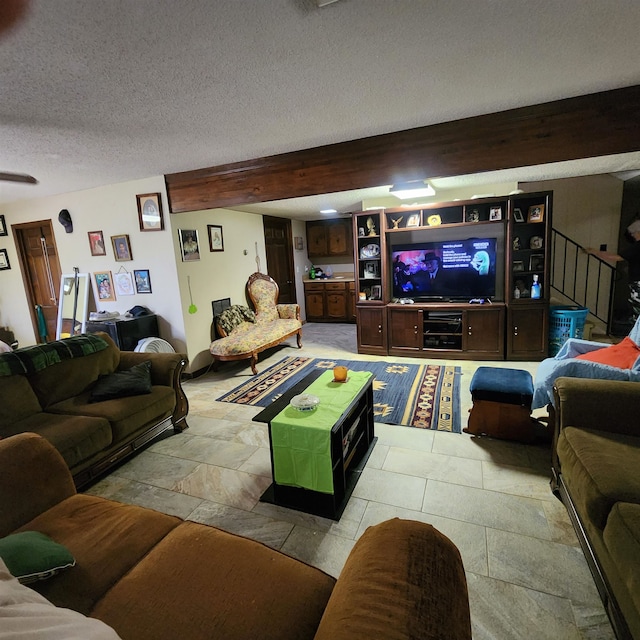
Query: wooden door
(41, 272)
(279, 249)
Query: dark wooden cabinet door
(527, 329)
(405, 329)
(351, 302)
(317, 246)
(336, 306)
(483, 331)
(340, 241)
(371, 330)
(314, 305)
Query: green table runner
(301, 440)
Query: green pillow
(131, 382)
(32, 556)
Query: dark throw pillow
(132, 382)
(32, 556)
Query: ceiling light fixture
(412, 189)
(328, 211)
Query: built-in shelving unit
(509, 323)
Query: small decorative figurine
(371, 227)
(396, 222)
(516, 244)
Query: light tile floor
(526, 574)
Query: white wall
(113, 210)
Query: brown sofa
(596, 457)
(46, 389)
(153, 576)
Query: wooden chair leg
(254, 360)
(299, 339)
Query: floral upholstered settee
(246, 333)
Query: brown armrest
(403, 579)
(166, 369)
(33, 478)
(605, 405)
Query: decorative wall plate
(434, 220)
(370, 251)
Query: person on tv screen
(431, 278)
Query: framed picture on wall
(123, 283)
(150, 212)
(96, 243)
(3, 227)
(142, 278)
(189, 246)
(4, 260)
(121, 248)
(104, 286)
(216, 242)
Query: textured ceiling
(94, 93)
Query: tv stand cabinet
(447, 330)
(515, 328)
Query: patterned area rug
(425, 396)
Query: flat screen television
(445, 270)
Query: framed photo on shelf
(96, 243)
(121, 248)
(104, 286)
(3, 227)
(536, 262)
(518, 265)
(376, 292)
(413, 220)
(150, 212)
(371, 269)
(536, 213)
(517, 215)
(143, 280)
(4, 260)
(216, 242)
(472, 214)
(495, 213)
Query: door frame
(18, 237)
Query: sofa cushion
(595, 467)
(622, 539)
(120, 384)
(77, 438)
(33, 556)
(68, 378)
(27, 615)
(125, 415)
(18, 400)
(264, 594)
(234, 316)
(106, 538)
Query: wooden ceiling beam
(594, 125)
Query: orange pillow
(622, 355)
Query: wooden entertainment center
(511, 324)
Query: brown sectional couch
(596, 462)
(54, 401)
(156, 577)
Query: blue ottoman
(502, 404)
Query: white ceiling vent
(154, 345)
